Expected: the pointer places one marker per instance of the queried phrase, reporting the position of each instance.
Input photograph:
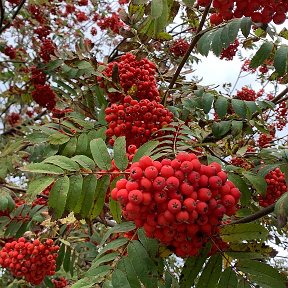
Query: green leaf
(191, 269)
(262, 54)
(207, 100)
(151, 245)
(119, 279)
(114, 245)
(211, 272)
(257, 181)
(70, 148)
(126, 266)
(242, 186)
(236, 127)
(82, 144)
(75, 191)
(233, 29)
(145, 149)
(120, 156)
(42, 168)
(246, 25)
(251, 108)
(161, 22)
(217, 45)
(115, 210)
(100, 154)
(281, 210)
(119, 228)
(144, 266)
(228, 279)
(38, 185)
(281, 60)
(204, 43)
(104, 259)
(84, 161)
(66, 261)
(156, 8)
(241, 232)
(221, 106)
(100, 195)
(58, 138)
(63, 162)
(220, 129)
(58, 196)
(262, 273)
(88, 195)
(189, 3)
(239, 107)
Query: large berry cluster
(136, 78)
(179, 48)
(230, 51)
(137, 120)
(259, 11)
(276, 186)
(32, 260)
(180, 202)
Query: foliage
(89, 89)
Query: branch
(257, 215)
(13, 16)
(2, 13)
(190, 49)
(280, 95)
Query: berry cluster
(10, 52)
(136, 120)
(44, 96)
(136, 78)
(32, 260)
(241, 162)
(276, 186)
(47, 49)
(179, 48)
(13, 119)
(247, 94)
(42, 31)
(81, 16)
(264, 140)
(180, 202)
(230, 51)
(113, 23)
(60, 282)
(259, 11)
(281, 115)
(37, 76)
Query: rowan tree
(119, 167)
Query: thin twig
(13, 16)
(257, 215)
(187, 54)
(2, 13)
